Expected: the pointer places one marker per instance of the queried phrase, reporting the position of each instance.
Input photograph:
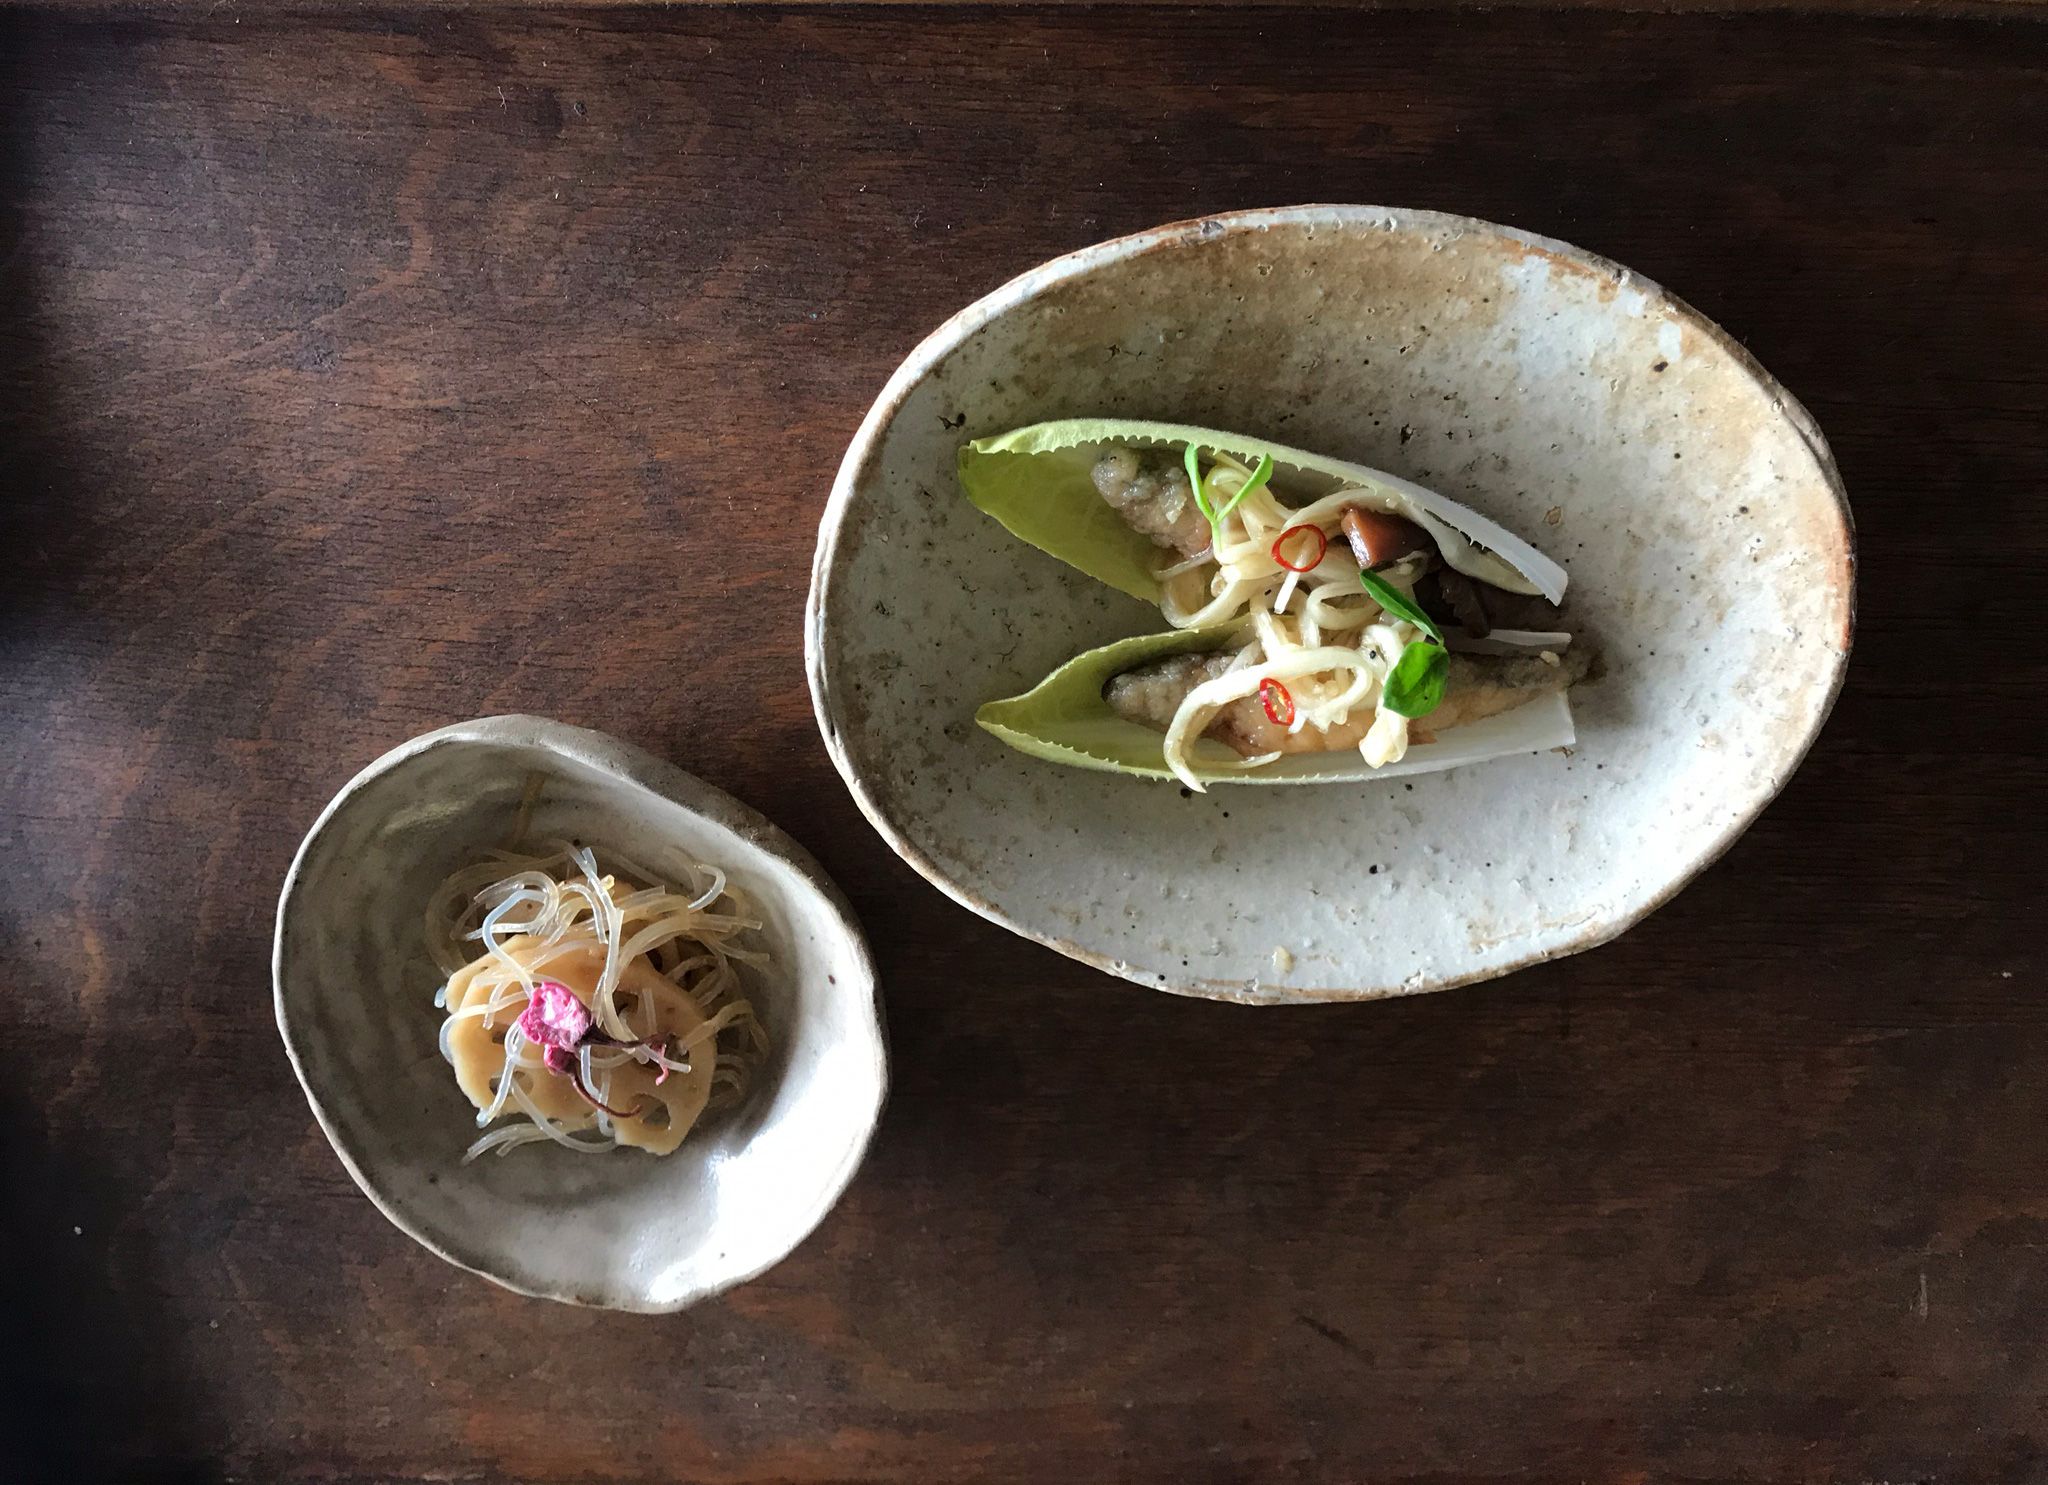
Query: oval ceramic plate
(1692, 500)
(355, 1005)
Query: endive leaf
(1046, 497)
(1036, 482)
(1064, 719)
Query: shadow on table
(43, 533)
(86, 1388)
(89, 1391)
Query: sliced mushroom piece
(1380, 540)
(1466, 603)
(1434, 591)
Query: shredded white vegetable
(1330, 650)
(1319, 632)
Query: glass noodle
(656, 966)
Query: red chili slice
(1279, 704)
(1322, 546)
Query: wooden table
(371, 372)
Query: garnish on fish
(1346, 589)
(1383, 659)
(1476, 687)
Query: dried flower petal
(554, 1017)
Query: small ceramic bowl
(628, 1231)
(1691, 499)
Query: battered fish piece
(1477, 687)
(1151, 492)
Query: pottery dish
(625, 1229)
(1692, 501)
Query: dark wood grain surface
(368, 374)
(1922, 9)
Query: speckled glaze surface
(1693, 501)
(354, 989)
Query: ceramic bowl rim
(667, 780)
(865, 451)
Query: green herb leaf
(1194, 467)
(1259, 476)
(1401, 606)
(1415, 686)
(1216, 518)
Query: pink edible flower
(554, 1017)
